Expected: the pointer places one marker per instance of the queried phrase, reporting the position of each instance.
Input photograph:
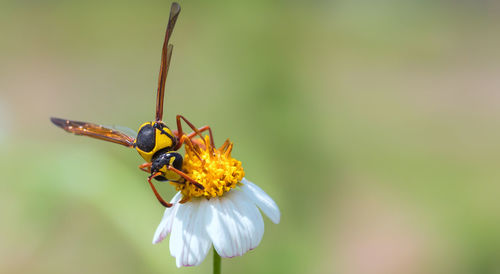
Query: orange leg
(183, 138)
(146, 167)
(160, 199)
(186, 177)
(200, 130)
(180, 133)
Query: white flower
(231, 222)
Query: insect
(155, 142)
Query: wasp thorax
(153, 137)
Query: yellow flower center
(212, 168)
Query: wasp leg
(182, 138)
(197, 131)
(160, 199)
(192, 134)
(146, 167)
(186, 177)
(200, 130)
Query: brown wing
(166, 56)
(94, 131)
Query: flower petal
(250, 218)
(189, 242)
(234, 224)
(237, 233)
(182, 216)
(165, 225)
(262, 200)
(218, 229)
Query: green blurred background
(374, 125)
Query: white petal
(217, 228)
(182, 216)
(165, 225)
(189, 242)
(250, 218)
(233, 223)
(262, 200)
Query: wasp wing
(94, 131)
(124, 130)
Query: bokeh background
(375, 126)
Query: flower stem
(217, 264)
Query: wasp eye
(146, 138)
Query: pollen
(212, 168)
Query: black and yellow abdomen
(153, 137)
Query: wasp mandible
(155, 142)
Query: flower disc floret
(214, 169)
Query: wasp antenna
(166, 55)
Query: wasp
(155, 142)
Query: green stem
(217, 264)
